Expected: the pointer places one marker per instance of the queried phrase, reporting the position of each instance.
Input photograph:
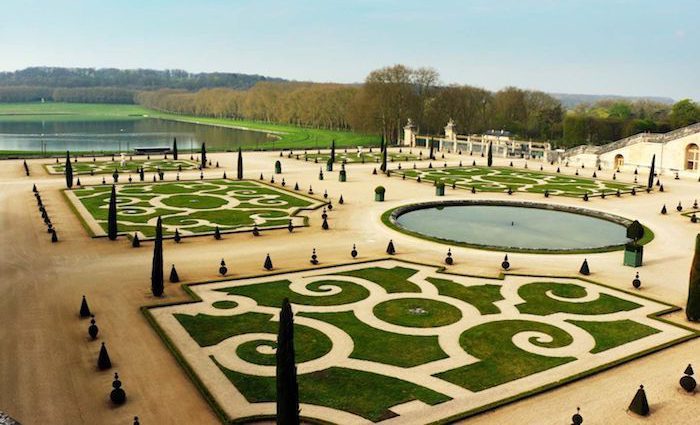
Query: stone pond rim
(390, 218)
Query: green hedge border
(216, 407)
(388, 220)
(129, 236)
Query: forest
(381, 105)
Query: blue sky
(628, 47)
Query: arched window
(692, 157)
(619, 161)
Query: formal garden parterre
(398, 342)
(191, 207)
(354, 156)
(501, 179)
(90, 167)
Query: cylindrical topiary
(379, 193)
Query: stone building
(677, 152)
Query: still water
(509, 226)
(121, 135)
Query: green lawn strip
(500, 360)
(208, 330)
(612, 334)
(537, 302)
(380, 346)
(393, 280)
(417, 312)
(482, 297)
(271, 294)
(363, 393)
(354, 158)
(198, 201)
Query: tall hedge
(287, 387)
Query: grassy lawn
(417, 313)
(359, 392)
(537, 302)
(271, 294)
(194, 207)
(289, 136)
(482, 296)
(613, 334)
(501, 179)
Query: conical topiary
(118, 396)
(103, 361)
(286, 370)
(584, 270)
(290, 226)
(687, 382)
(174, 277)
(390, 249)
(177, 238)
(664, 210)
(93, 330)
(505, 264)
(268, 263)
(692, 310)
(135, 242)
(84, 309)
(217, 233)
(639, 404)
(324, 225)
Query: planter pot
(329, 166)
(440, 190)
(342, 176)
(379, 197)
(278, 168)
(633, 255)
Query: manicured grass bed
(400, 336)
(353, 156)
(194, 207)
(501, 179)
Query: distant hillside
(569, 100)
(137, 79)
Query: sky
(624, 47)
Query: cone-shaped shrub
(584, 270)
(157, 264)
(639, 404)
(324, 225)
(635, 231)
(239, 173)
(177, 238)
(84, 309)
(692, 310)
(341, 201)
(175, 148)
(54, 236)
(112, 215)
(287, 387)
(390, 249)
(268, 263)
(69, 171)
(103, 361)
(217, 233)
(174, 277)
(135, 242)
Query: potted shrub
(379, 192)
(633, 250)
(329, 164)
(342, 175)
(278, 167)
(440, 189)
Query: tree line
(382, 104)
